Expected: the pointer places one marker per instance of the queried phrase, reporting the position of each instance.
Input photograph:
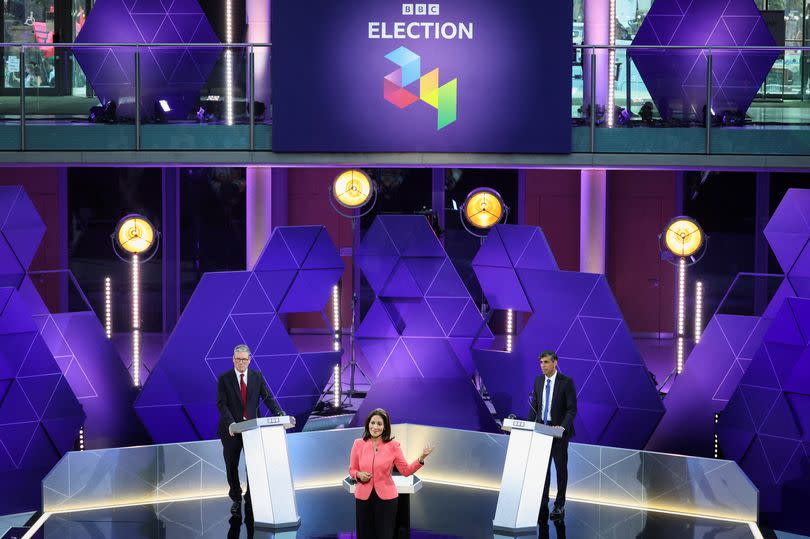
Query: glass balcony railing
(135, 97)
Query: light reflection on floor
(436, 511)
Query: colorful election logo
(442, 98)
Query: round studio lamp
(483, 209)
(135, 235)
(352, 190)
(683, 238)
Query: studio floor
(436, 511)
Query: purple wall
(676, 79)
(417, 336)
(576, 315)
(175, 74)
(39, 414)
(295, 273)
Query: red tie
(243, 387)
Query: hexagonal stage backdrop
(295, 273)
(39, 414)
(174, 74)
(417, 335)
(576, 315)
(766, 424)
(714, 368)
(676, 79)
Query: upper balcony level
(41, 123)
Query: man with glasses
(238, 394)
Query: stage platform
(178, 490)
(438, 511)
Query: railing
(138, 129)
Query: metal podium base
(513, 532)
(278, 525)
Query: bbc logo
(420, 9)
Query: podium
(272, 492)
(405, 487)
(524, 475)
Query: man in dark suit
(554, 403)
(238, 394)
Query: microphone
(511, 416)
(536, 415)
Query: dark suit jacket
(563, 402)
(229, 399)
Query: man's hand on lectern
(230, 429)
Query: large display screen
(449, 76)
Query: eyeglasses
(241, 359)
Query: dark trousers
(232, 451)
(559, 454)
(376, 518)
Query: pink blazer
(380, 464)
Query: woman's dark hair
(386, 434)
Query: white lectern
(524, 474)
(268, 468)
(405, 487)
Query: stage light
(135, 234)
(336, 386)
(683, 236)
(164, 105)
(510, 326)
(698, 311)
(353, 195)
(229, 63)
(108, 307)
(136, 322)
(81, 439)
(683, 243)
(135, 241)
(482, 209)
(352, 189)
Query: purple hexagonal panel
(174, 74)
(295, 273)
(416, 337)
(729, 343)
(766, 425)
(576, 315)
(21, 231)
(676, 78)
(39, 415)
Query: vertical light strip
(136, 321)
(228, 63)
(336, 386)
(510, 326)
(716, 439)
(681, 314)
(698, 311)
(336, 316)
(81, 439)
(611, 102)
(108, 307)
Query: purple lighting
(173, 74)
(676, 78)
(295, 273)
(576, 315)
(417, 335)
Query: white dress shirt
(542, 410)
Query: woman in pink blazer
(373, 457)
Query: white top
(542, 409)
